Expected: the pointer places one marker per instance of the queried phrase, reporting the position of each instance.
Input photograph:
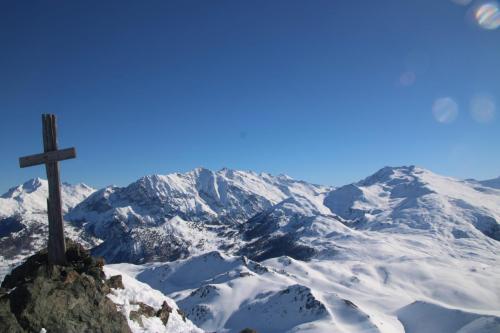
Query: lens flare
(445, 110)
(488, 16)
(482, 108)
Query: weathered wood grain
(56, 246)
(50, 156)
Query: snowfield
(358, 292)
(401, 251)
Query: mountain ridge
(234, 247)
(166, 217)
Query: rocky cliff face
(82, 296)
(70, 298)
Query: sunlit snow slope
(404, 250)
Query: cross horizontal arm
(51, 156)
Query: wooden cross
(51, 157)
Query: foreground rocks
(148, 311)
(69, 298)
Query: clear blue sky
(314, 89)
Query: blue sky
(326, 91)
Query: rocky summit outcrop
(71, 298)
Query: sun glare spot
(482, 108)
(445, 110)
(488, 16)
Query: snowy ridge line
(232, 248)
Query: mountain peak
(284, 176)
(386, 174)
(202, 170)
(34, 183)
(29, 186)
(81, 185)
(402, 169)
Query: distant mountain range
(494, 183)
(249, 246)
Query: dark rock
(204, 291)
(8, 322)
(268, 247)
(160, 247)
(182, 314)
(144, 310)
(115, 282)
(27, 271)
(248, 330)
(70, 277)
(75, 253)
(350, 304)
(199, 314)
(100, 262)
(70, 298)
(164, 313)
(10, 225)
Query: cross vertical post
(57, 247)
(51, 158)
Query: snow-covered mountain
(399, 249)
(219, 291)
(31, 197)
(169, 217)
(494, 183)
(23, 219)
(404, 250)
(414, 199)
(360, 291)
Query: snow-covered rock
(134, 293)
